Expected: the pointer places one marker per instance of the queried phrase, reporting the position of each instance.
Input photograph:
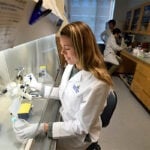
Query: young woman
(83, 91)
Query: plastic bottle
(44, 77)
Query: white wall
(26, 32)
(42, 27)
(121, 7)
(134, 3)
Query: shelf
(127, 79)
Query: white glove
(30, 131)
(32, 82)
(19, 124)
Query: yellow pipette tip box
(24, 110)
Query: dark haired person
(110, 25)
(111, 58)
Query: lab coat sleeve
(90, 109)
(123, 44)
(50, 92)
(113, 44)
(103, 36)
(53, 92)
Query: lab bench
(139, 69)
(44, 110)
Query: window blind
(93, 12)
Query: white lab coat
(105, 35)
(110, 50)
(83, 98)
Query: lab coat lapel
(76, 77)
(80, 76)
(65, 78)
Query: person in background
(83, 92)
(113, 47)
(110, 25)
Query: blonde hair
(86, 49)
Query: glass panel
(17, 99)
(127, 21)
(136, 16)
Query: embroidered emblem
(76, 88)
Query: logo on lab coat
(76, 88)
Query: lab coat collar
(81, 75)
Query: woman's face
(67, 50)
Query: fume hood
(25, 48)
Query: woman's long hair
(86, 49)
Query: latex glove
(30, 131)
(19, 124)
(32, 82)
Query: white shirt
(105, 35)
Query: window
(93, 12)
